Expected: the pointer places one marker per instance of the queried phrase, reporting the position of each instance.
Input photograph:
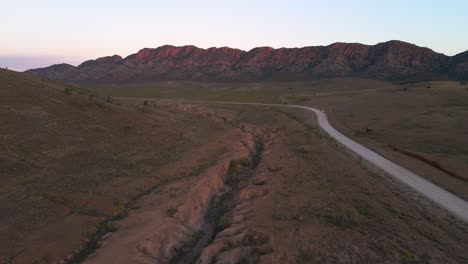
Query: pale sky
(40, 33)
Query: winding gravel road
(445, 199)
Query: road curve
(445, 199)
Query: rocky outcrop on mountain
(394, 60)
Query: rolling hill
(69, 161)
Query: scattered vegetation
(93, 241)
(120, 205)
(345, 217)
(301, 150)
(273, 169)
(305, 256)
(223, 222)
(367, 130)
(197, 235)
(171, 211)
(327, 187)
(350, 216)
(45, 260)
(365, 210)
(410, 258)
(110, 226)
(202, 166)
(278, 217)
(236, 166)
(364, 131)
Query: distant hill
(392, 60)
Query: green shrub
(365, 211)
(171, 211)
(345, 217)
(237, 166)
(120, 205)
(223, 222)
(305, 256)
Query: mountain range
(392, 60)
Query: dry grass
(429, 122)
(70, 162)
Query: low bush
(171, 211)
(223, 222)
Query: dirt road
(445, 199)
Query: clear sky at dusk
(39, 33)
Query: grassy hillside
(69, 160)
